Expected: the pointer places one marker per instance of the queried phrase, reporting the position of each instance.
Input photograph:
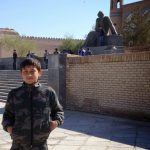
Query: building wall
(116, 84)
(118, 15)
(127, 9)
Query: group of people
(33, 55)
(84, 52)
(81, 52)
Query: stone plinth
(116, 40)
(106, 50)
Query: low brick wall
(117, 84)
(7, 63)
(137, 49)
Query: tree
(70, 44)
(14, 42)
(136, 28)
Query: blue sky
(52, 18)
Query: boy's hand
(9, 130)
(53, 125)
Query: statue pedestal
(105, 46)
(106, 50)
(116, 40)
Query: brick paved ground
(84, 131)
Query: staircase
(10, 79)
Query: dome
(7, 31)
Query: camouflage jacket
(29, 110)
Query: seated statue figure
(97, 37)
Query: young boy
(32, 111)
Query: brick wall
(116, 84)
(130, 7)
(126, 10)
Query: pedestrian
(82, 52)
(46, 58)
(56, 51)
(79, 51)
(15, 56)
(32, 111)
(29, 54)
(88, 52)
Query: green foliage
(78, 44)
(21, 45)
(71, 44)
(137, 28)
(67, 44)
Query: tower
(116, 13)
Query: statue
(97, 37)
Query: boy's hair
(30, 62)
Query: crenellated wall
(46, 43)
(45, 38)
(43, 43)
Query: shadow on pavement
(122, 131)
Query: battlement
(7, 31)
(46, 38)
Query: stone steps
(17, 83)
(10, 79)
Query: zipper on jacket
(31, 111)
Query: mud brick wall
(117, 84)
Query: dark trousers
(46, 63)
(16, 146)
(14, 65)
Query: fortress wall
(42, 43)
(49, 44)
(117, 84)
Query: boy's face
(30, 74)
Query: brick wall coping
(139, 56)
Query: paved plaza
(84, 131)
